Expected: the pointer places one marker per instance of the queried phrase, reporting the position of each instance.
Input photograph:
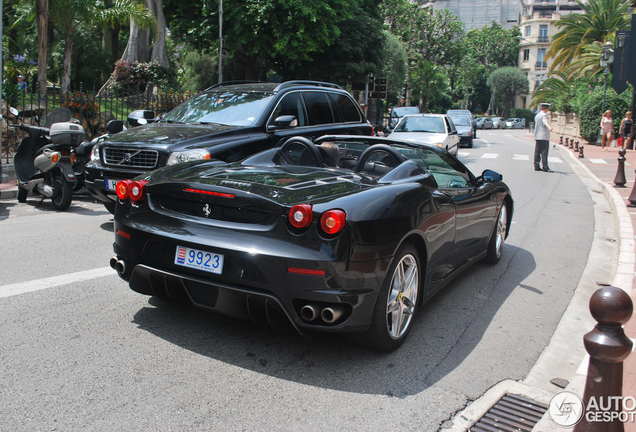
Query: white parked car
(428, 129)
(515, 123)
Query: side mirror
(285, 121)
(490, 176)
(115, 126)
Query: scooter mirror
(13, 111)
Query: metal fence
(93, 109)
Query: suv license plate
(111, 185)
(199, 260)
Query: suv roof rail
(313, 83)
(229, 83)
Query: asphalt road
(80, 351)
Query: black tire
(496, 243)
(470, 143)
(383, 335)
(22, 194)
(63, 193)
(110, 206)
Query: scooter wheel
(63, 193)
(22, 194)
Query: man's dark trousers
(541, 152)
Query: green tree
(508, 82)
(493, 47)
(600, 18)
(430, 84)
(429, 35)
(69, 14)
(590, 115)
(354, 54)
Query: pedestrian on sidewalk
(607, 129)
(626, 130)
(542, 131)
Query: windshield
(421, 124)
(461, 121)
(226, 108)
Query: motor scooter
(44, 161)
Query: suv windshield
(421, 124)
(221, 107)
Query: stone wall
(566, 125)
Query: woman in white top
(607, 129)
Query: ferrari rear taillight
(136, 190)
(333, 221)
(301, 215)
(122, 189)
(131, 189)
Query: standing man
(542, 130)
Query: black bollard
(567, 142)
(619, 180)
(632, 195)
(576, 146)
(571, 143)
(581, 155)
(561, 140)
(608, 346)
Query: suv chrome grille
(130, 157)
(208, 211)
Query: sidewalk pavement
(598, 169)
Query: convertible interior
(374, 159)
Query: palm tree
(71, 13)
(601, 18)
(552, 88)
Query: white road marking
(521, 157)
(489, 155)
(597, 161)
(463, 154)
(54, 281)
(554, 159)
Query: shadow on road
(445, 332)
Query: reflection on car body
(284, 239)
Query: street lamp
(607, 58)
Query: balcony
(541, 65)
(543, 39)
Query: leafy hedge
(592, 111)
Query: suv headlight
(95, 153)
(187, 156)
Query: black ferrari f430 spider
(345, 234)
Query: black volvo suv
(228, 121)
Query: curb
(564, 352)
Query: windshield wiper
(173, 121)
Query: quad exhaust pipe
(118, 265)
(329, 314)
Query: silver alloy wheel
(502, 223)
(402, 297)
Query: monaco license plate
(111, 185)
(200, 260)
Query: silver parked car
(435, 130)
(516, 123)
(483, 122)
(498, 123)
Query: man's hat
(544, 104)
